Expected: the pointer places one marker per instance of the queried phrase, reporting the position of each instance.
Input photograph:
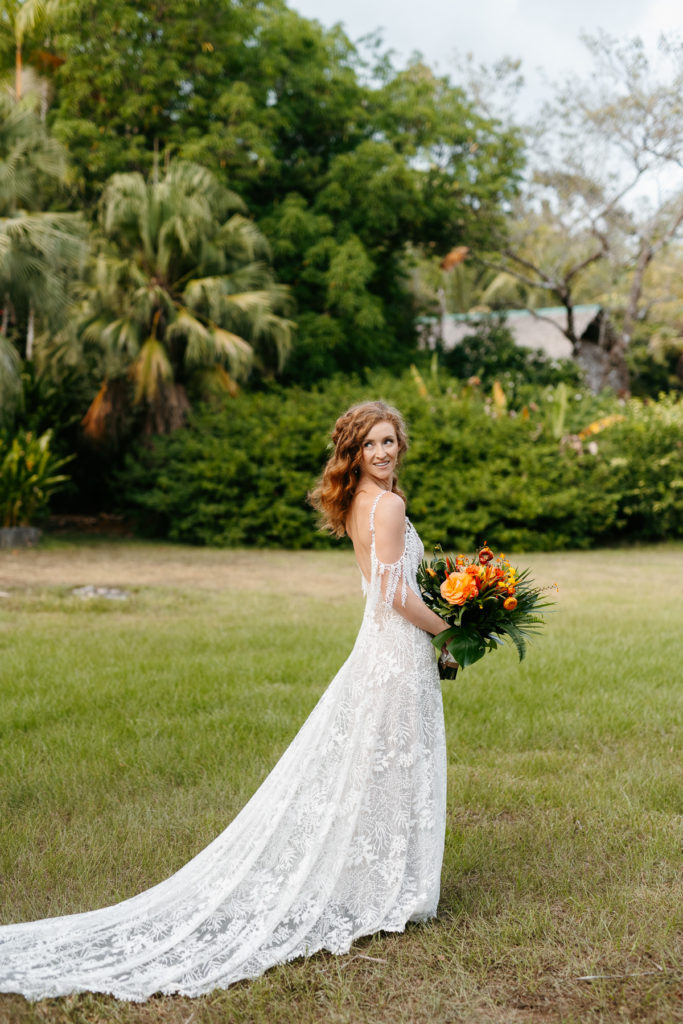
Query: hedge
(549, 476)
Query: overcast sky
(543, 33)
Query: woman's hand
(447, 659)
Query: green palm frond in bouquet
(484, 599)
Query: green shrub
(236, 476)
(644, 456)
(28, 477)
(655, 361)
(475, 471)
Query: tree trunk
(44, 88)
(17, 75)
(570, 329)
(631, 313)
(30, 332)
(443, 313)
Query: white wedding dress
(344, 838)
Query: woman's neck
(369, 486)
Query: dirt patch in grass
(113, 564)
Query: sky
(544, 34)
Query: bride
(345, 836)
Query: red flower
(485, 555)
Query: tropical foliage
(179, 293)
(39, 249)
(197, 198)
(343, 159)
(29, 475)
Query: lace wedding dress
(344, 838)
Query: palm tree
(10, 380)
(180, 293)
(39, 251)
(19, 19)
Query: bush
(28, 477)
(235, 476)
(656, 365)
(644, 456)
(474, 472)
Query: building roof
(540, 329)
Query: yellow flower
(598, 425)
(509, 604)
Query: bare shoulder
(390, 511)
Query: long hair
(334, 491)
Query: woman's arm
(390, 529)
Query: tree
(23, 21)
(605, 196)
(304, 126)
(152, 80)
(39, 250)
(433, 174)
(180, 293)
(18, 18)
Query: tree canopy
(309, 130)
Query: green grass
(132, 733)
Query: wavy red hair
(335, 490)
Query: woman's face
(379, 454)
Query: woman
(344, 837)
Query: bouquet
(484, 599)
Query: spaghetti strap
(372, 514)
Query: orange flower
(458, 588)
(509, 604)
(512, 590)
(485, 555)
(431, 572)
(475, 574)
(488, 576)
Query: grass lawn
(132, 732)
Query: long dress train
(344, 838)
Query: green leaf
(465, 645)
